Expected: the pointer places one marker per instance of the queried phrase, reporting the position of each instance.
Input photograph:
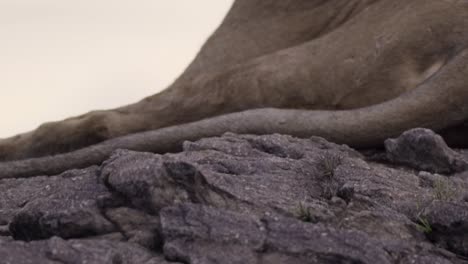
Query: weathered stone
(422, 149)
(198, 234)
(136, 226)
(241, 199)
(449, 225)
(64, 205)
(93, 251)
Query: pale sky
(60, 58)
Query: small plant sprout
(423, 225)
(303, 213)
(443, 190)
(328, 164)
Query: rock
(449, 225)
(57, 250)
(64, 205)
(422, 149)
(239, 238)
(237, 199)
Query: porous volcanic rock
(239, 199)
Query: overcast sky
(60, 58)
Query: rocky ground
(247, 199)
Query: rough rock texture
(57, 250)
(423, 149)
(246, 199)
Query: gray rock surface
(57, 250)
(422, 149)
(241, 199)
